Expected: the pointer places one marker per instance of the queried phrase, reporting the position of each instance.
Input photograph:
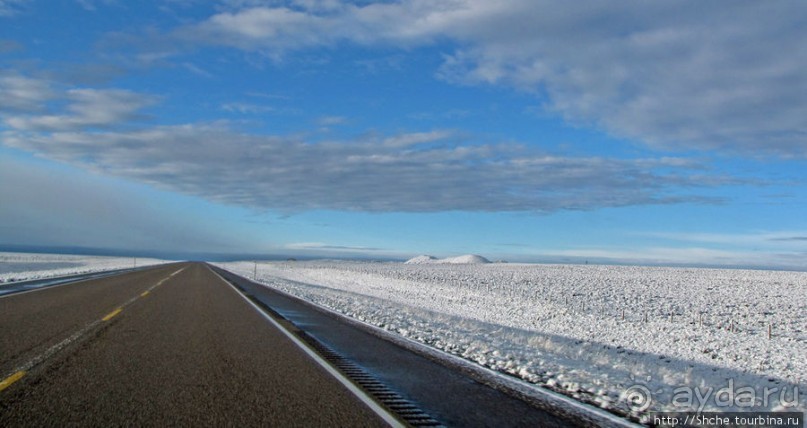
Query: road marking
(53, 350)
(68, 281)
(111, 314)
(5, 383)
(161, 282)
(359, 393)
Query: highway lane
(190, 351)
(34, 321)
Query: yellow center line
(23, 370)
(5, 383)
(111, 314)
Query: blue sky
(627, 132)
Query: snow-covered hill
(468, 259)
(421, 260)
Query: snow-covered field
(627, 339)
(26, 266)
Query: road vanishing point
(184, 344)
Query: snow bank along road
(171, 345)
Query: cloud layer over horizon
(418, 172)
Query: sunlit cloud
(678, 75)
(21, 93)
(86, 108)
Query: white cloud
(323, 246)
(686, 256)
(24, 93)
(274, 30)
(331, 120)
(320, 249)
(92, 5)
(87, 5)
(676, 75)
(437, 170)
(256, 28)
(671, 75)
(780, 239)
(418, 172)
(10, 7)
(193, 68)
(86, 108)
(415, 138)
(246, 108)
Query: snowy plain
(627, 339)
(16, 267)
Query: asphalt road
(173, 345)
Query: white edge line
(361, 395)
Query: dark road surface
(172, 345)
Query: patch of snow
(419, 260)
(468, 259)
(600, 334)
(15, 267)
